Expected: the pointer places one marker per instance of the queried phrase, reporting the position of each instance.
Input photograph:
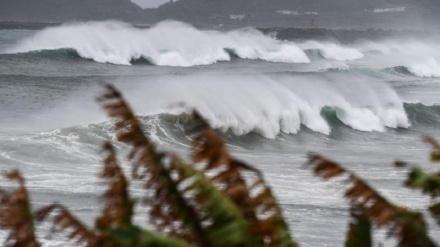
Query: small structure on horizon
(288, 12)
(312, 23)
(237, 17)
(388, 10)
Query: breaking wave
(263, 104)
(173, 126)
(167, 44)
(332, 51)
(365, 119)
(172, 43)
(270, 105)
(429, 69)
(416, 57)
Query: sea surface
(364, 104)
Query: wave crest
(332, 51)
(167, 44)
(279, 104)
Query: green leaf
(435, 211)
(225, 225)
(428, 183)
(359, 234)
(435, 157)
(136, 237)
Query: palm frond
(359, 233)
(251, 194)
(170, 212)
(118, 210)
(136, 237)
(435, 155)
(220, 218)
(435, 211)
(16, 214)
(428, 183)
(64, 221)
(408, 227)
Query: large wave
(173, 43)
(166, 127)
(265, 104)
(167, 43)
(418, 57)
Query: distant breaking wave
(428, 69)
(332, 51)
(172, 43)
(416, 57)
(420, 70)
(166, 44)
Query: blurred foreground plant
(233, 206)
(369, 208)
(213, 201)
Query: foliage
(214, 200)
(428, 183)
(408, 227)
(16, 214)
(187, 206)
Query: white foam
(168, 43)
(273, 105)
(420, 57)
(428, 68)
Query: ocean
(363, 104)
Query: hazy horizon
(149, 3)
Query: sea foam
(419, 57)
(168, 43)
(270, 105)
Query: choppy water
(363, 104)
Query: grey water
(364, 104)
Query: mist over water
(364, 104)
(119, 43)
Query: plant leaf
(359, 233)
(251, 195)
(435, 155)
(428, 183)
(64, 221)
(435, 211)
(118, 210)
(16, 214)
(409, 228)
(176, 211)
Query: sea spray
(168, 43)
(418, 57)
(267, 105)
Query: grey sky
(149, 3)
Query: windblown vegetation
(214, 200)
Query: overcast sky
(149, 3)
